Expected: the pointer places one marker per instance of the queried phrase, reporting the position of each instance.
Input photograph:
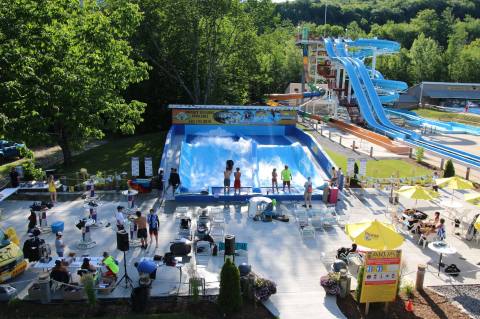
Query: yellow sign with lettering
(381, 276)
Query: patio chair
(218, 219)
(329, 220)
(427, 238)
(317, 221)
(301, 218)
(217, 233)
(181, 212)
(307, 231)
(342, 220)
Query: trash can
(44, 284)
(57, 226)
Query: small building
(445, 94)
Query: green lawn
(115, 155)
(449, 117)
(382, 168)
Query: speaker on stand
(123, 245)
(229, 247)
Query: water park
(328, 201)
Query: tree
(449, 169)
(65, 68)
(425, 60)
(467, 63)
(207, 48)
(229, 297)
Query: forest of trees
(440, 39)
(74, 70)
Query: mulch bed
(121, 308)
(427, 304)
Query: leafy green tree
(65, 68)
(428, 23)
(395, 66)
(467, 63)
(425, 60)
(229, 297)
(207, 48)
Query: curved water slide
(363, 87)
(447, 127)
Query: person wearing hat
(59, 244)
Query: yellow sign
(381, 276)
(233, 117)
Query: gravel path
(466, 295)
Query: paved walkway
(275, 250)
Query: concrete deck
(275, 250)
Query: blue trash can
(57, 226)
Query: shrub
(449, 169)
(89, 286)
(355, 170)
(408, 288)
(419, 154)
(25, 152)
(358, 291)
(229, 298)
(30, 172)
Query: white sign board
(135, 166)
(148, 167)
(350, 166)
(363, 167)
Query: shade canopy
(375, 235)
(417, 192)
(454, 183)
(473, 198)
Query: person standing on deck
(274, 180)
(237, 184)
(227, 173)
(286, 178)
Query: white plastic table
(443, 249)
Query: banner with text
(381, 276)
(233, 117)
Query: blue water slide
(365, 108)
(447, 127)
(353, 65)
(372, 95)
(390, 85)
(413, 137)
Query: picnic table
(76, 264)
(7, 192)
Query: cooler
(333, 195)
(57, 226)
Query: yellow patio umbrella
(473, 198)
(374, 235)
(454, 183)
(417, 192)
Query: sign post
(148, 167)
(381, 276)
(135, 167)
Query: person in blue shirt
(153, 225)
